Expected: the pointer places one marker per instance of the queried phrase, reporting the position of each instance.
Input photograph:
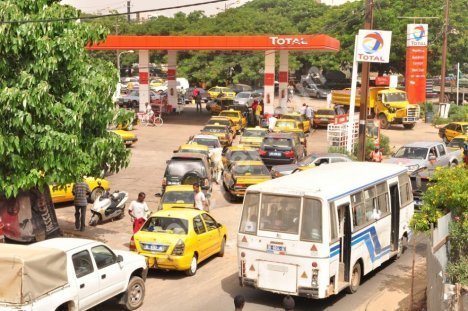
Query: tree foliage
(55, 100)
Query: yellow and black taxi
(237, 117)
(221, 91)
(253, 136)
(452, 130)
(223, 121)
(287, 125)
(299, 118)
(176, 196)
(240, 153)
(223, 133)
(128, 137)
(241, 174)
(179, 239)
(194, 148)
(64, 194)
(323, 117)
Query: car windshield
(306, 161)
(179, 168)
(213, 129)
(325, 112)
(457, 143)
(205, 152)
(286, 124)
(177, 197)
(224, 90)
(229, 114)
(290, 117)
(394, 97)
(211, 143)
(254, 133)
(280, 213)
(277, 142)
(243, 95)
(242, 155)
(256, 170)
(411, 153)
(166, 225)
(220, 122)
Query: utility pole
(444, 54)
(364, 88)
(128, 11)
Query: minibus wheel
(355, 278)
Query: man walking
(138, 211)
(81, 192)
(199, 200)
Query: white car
(181, 83)
(246, 98)
(210, 141)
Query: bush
(123, 119)
(370, 145)
(335, 149)
(458, 113)
(458, 271)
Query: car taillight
(262, 152)
(179, 248)
(289, 154)
(132, 246)
(239, 185)
(164, 181)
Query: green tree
(55, 100)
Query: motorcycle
(108, 206)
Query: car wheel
(355, 278)
(193, 266)
(223, 245)
(409, 126)
(453, 164)
(135, 293)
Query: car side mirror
(218, 225)
(175, 151)
(119, 258)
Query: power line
(108, 15)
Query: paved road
(216, 282)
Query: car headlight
(413, 167)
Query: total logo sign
(373, 46)
(288, 41)
(416, 34)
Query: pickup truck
(415, 156)
(69, 274)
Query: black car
(281, 148)
(187, 169)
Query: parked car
(299, 118)
(458, 142)
(240, 87)
(237, 117)
(64, 194)
(128, 137)
(187, 169)
(176, 196)
(70, 274)
(417, 155)
(283, 125)
(210, 141)
(240, 153)
(313, 90)
(239, 175)
(253, 136)
(281, 148)
(225, 92)
(453, 129)
(180, 83)
(323, 117)
(315, 159)
(223, 133)
(194, 148)
(180, 239)
(246, 98)
(132, 99)
(223, 121)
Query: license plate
(323, 119)
(275, 154)
(275, 248)
(154, 247)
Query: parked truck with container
(389, 105)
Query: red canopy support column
(269, 82)
(171, 78)
(143, 66)
(283, 79)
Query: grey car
(132, 100)
(315, 159)
(246, 98)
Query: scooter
(108, 206)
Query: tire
(355, 278)
(135, 294)
(63, 307)
(409, 126)
(402, 246)
(97, 192)
(223, 246)
(383, 121)
(453, 164)
(95, 219)
(158, 121)
(445, 139)
(193, 267)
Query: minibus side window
(311, 229)
(249, 219)
(406, 195)
(382, 199)
(333, 226)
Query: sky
(104, 6)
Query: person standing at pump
(254, 111)
(258, 113)
(81, 192)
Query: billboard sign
(373, 46)
(416, 34)
(416, 62)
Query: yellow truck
(389, 105)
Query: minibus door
(344, 221)
(395, 205)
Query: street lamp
(118, 59)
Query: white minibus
(320, 231)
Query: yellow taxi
(194, 148)
(253, 136)
(64, 194)
(303, 168)
(302, 136)
(237, 118)
(240, 153)
(323, 117)
(458, 143)
(225, 92)
(453, 129)
(128, 137)
(287, 125)
(241, 174)
(299, 118)
(157, 82)
(223, 121)
(176, 196)
(179, 239)
(223, 133)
